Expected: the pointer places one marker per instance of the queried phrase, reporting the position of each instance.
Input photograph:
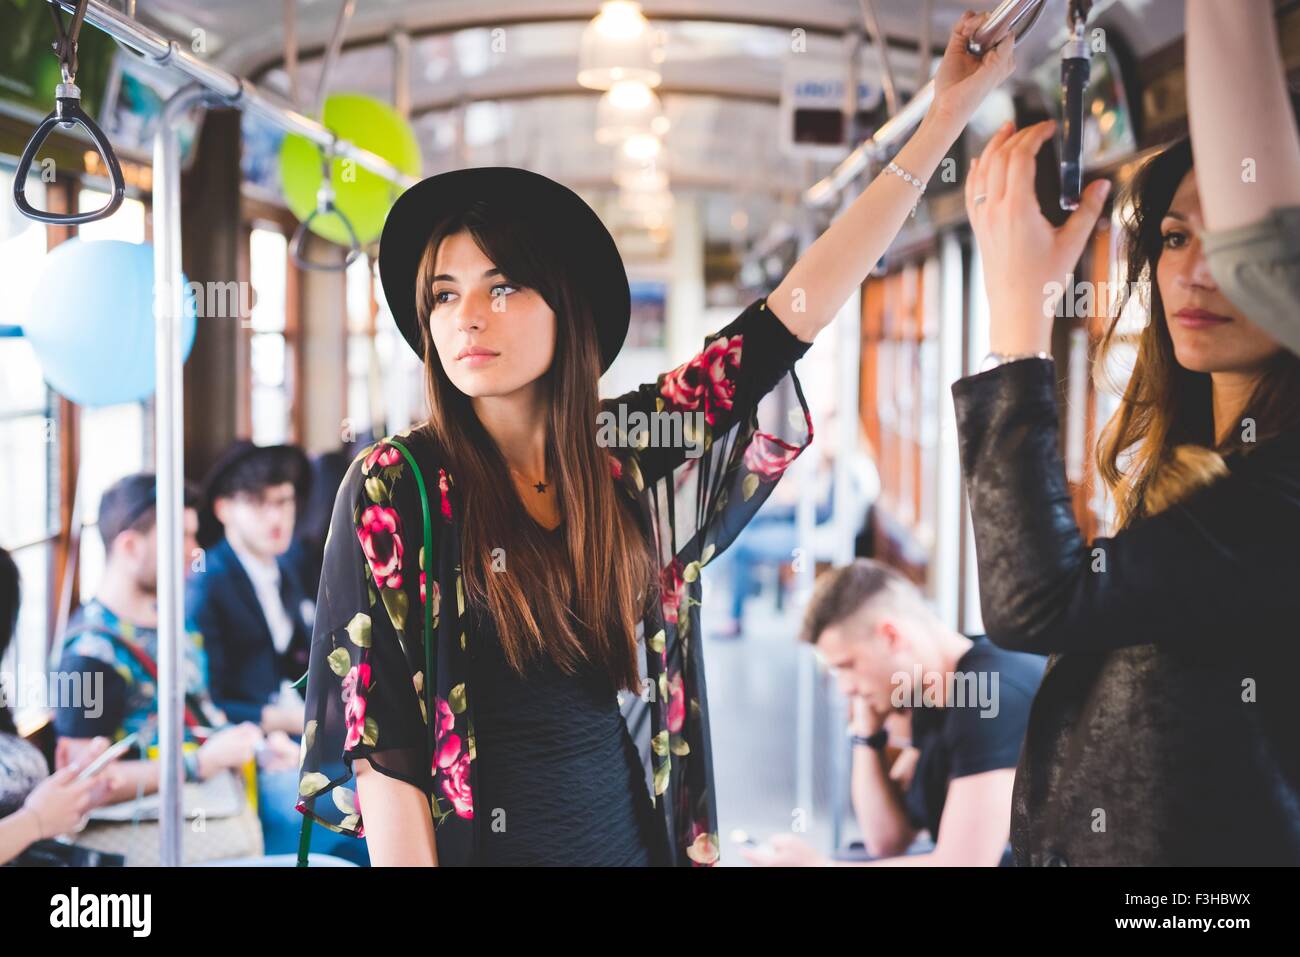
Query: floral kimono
(365, 689)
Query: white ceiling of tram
(473, 103)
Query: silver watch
(995, 359)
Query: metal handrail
(234, 91)
(1010, 16)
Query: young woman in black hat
(567, 720)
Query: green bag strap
(304, 840)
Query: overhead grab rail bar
(233, 90)
(68, 113)
(1010, 16)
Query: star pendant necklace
(540, 486)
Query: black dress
(560, 782)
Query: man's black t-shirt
(981, 729)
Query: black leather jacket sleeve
(1219, 567)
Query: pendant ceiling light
(626, 109)
(642, 146)
(618, 45)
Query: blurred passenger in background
(249, 604)
(111, 646)
(968, 702)
(35, 805)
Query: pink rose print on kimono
(380, 533)
(676, 704)
(674, 589)
(707, 382)
(446, 724)
(355, 684)
(452, 761)
(767, 456)
(456, 786)
(383, 455)
(455, 778)
(444, 486)
(703, 850)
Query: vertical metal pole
(948, 511)
(806, 678)
(169, 303)
(847, 512)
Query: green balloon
(364, 197)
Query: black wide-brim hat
(238, 452)
(580, 239)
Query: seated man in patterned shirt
(111, 647)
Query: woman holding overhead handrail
(1166, 730)
(562, 558)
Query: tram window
(271, 396)
(28, 443)
(403, 379)
(127, 224)
(112, 439)
(361, 343)
(112, 446)
(1117, 365)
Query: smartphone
(110, 754)
(115, 751)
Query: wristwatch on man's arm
(876, 742)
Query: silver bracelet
(995, 359)
(908, 177)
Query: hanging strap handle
(68, 112)
(1076, 68)
(304, 838)
(325, 206)
(65, 45)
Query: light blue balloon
(91, 321)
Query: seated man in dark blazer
(248, 602)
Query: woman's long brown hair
(542, 605)
(1165, 419)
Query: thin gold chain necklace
(539, 486)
